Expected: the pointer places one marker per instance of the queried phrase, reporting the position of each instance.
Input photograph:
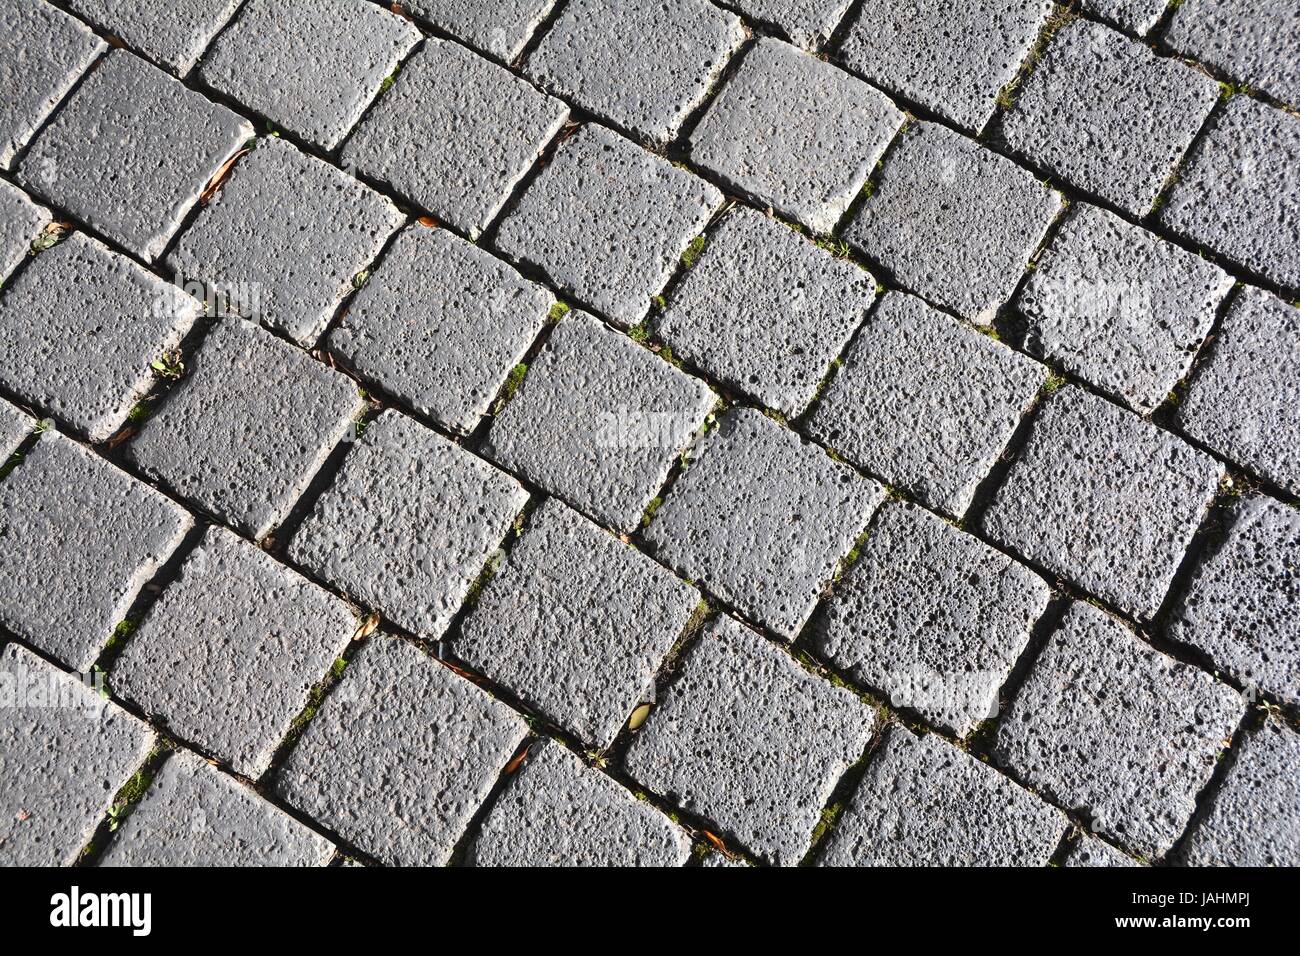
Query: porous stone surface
(766, 311)
(952, 59)
(408, 523)
(642, 67)
(439, 326)
(1256, 41)
(455, 135)
(309, 66)
(795, 133)
(926, 402)
(1104, 499)
(1240, 604)
(130, 152)
(762, 518)
(608, 222)
(69, 518)
(1091, 852)
(599, 421)
(500, 29)
(1242, 400)
(558, 812)
(15, 426)
(42, 53)
(401, 755)
(576, 623)
(805, 23)
(1239, 191)
(244, 432)
(285, 239)
(749, 740)
(923, 802)
(1133, 16)
(932, 617)
(953, 222)
(171, 33)
(1117, 731)
(21, 221)
(65, 751)
(1121, 309)
(1107, 115)
(195, 815)
(80, 330)
(1252, 820)
(227, 655)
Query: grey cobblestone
(401, 755)
(408, 524)
(766, 311)
(1257, 41)
(944, 402)
(130, 153)
(455, 134)
(171, 34)
(953, 221)
(796, 133)
(606, 447)
(194, 815)
(1110, 727)
(500, 29)
(576, 623)
(69, 518)
(923, 802)
(21, 221)
(762, 518)
(609, 222)
(557, 812)
(748, 739)
(1091, 852)
(1104, 499)
(64, 753)
(228, 653)
(806, 23)
(247, 428)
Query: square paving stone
(15, 426)
(1257, 41)
(1107, 115)
(608, 222)
(805, 23)
(65, 751)
(1091, 852)
(795, 133)
(1104, 499)
(926, 402)
(923, 802)
(749, 740)
(953, 221)
(81, 539)
(455, 135)
(762, 518)
(309, 66)
(1239, 192)
(42, 53)
(1242, 400)
(1252, 819)
(932, 617)
(558, 812)
(576, 623)
(172, 33)
(228, 654)
(400, 755)
(1119, 308)
(285, 239)
(439, 326)
(1107, 726)
(130, 152)
(642, 67)
(21, 221)
(195, 815)
(408, 524)
(599, 421)
(79, 330)
(951, 58)
(246, 429)
(1240, 607)
(500, 29)
(766, 311)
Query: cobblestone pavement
(841, 432)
